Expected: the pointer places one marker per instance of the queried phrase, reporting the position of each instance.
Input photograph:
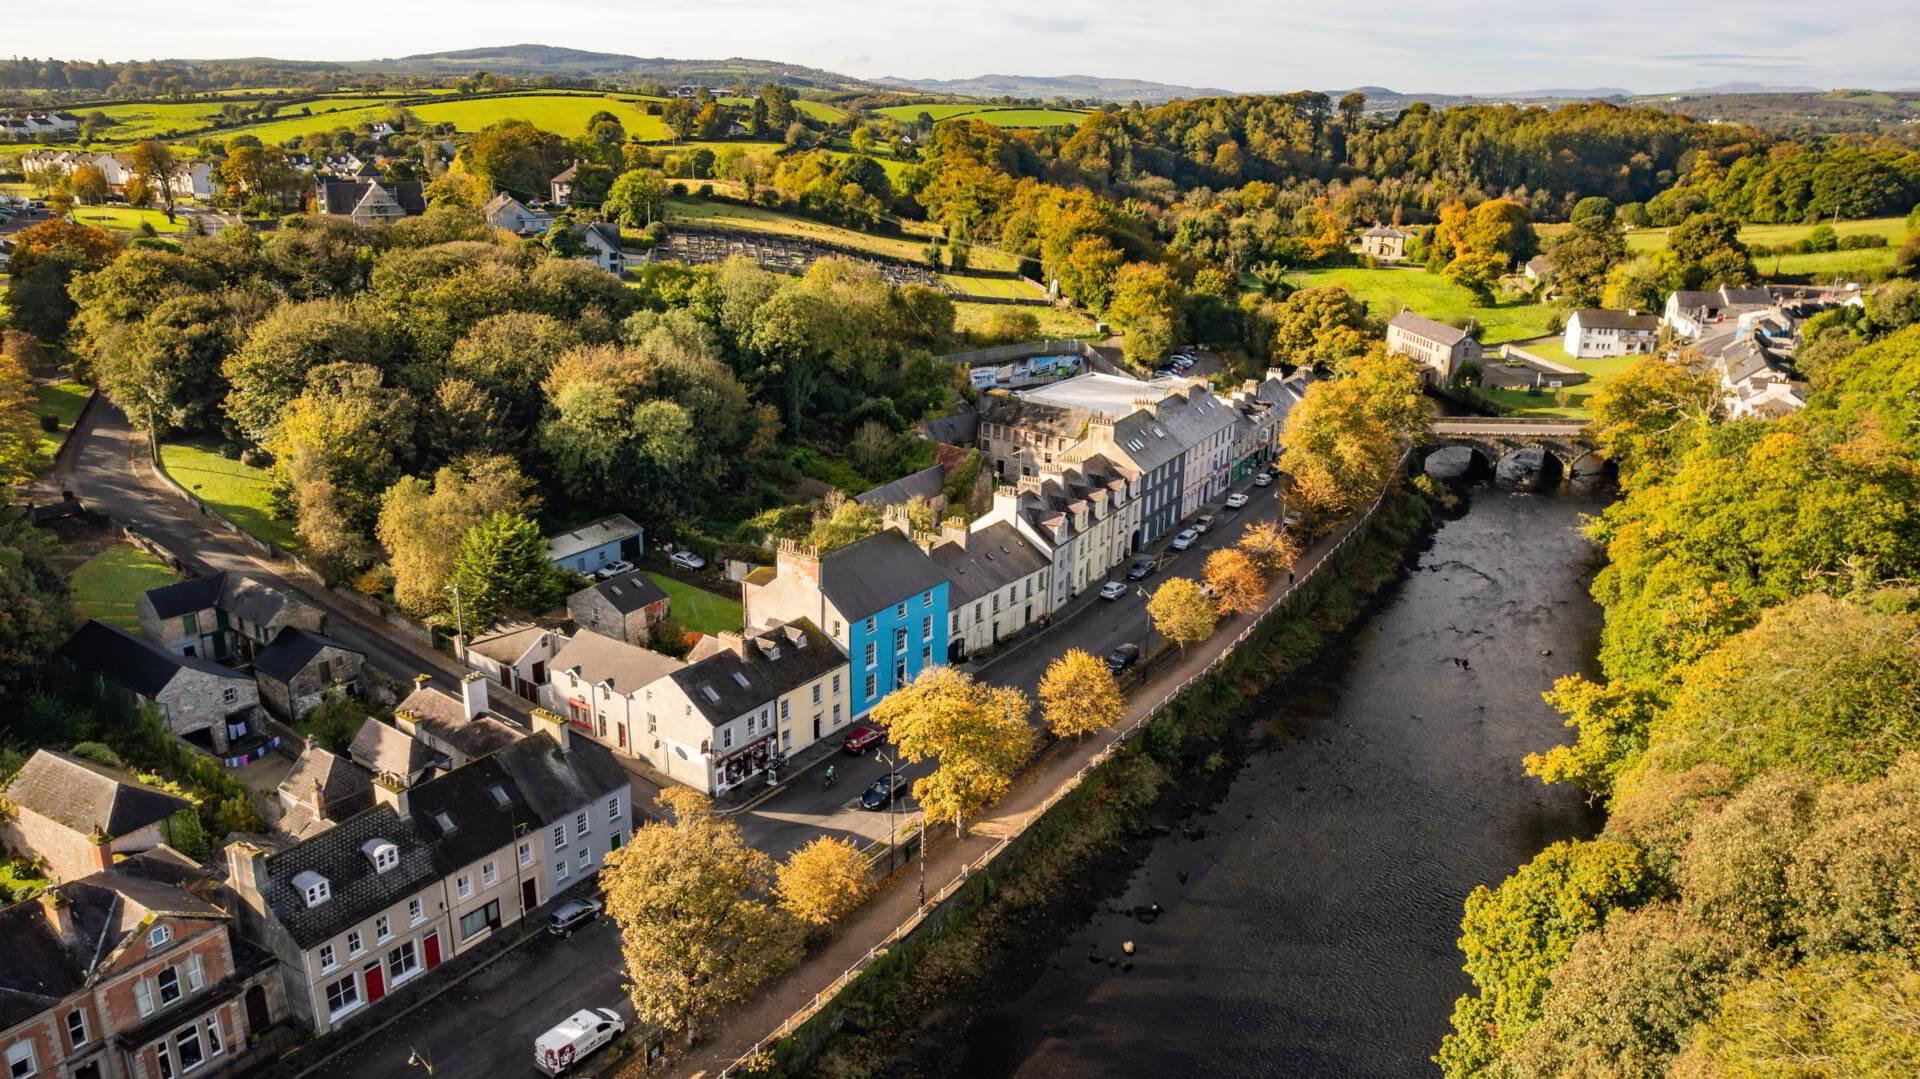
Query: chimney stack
(473, 694)
(391, 790)
(954, 530)
(732, 642)
(59, 911)
(549, 722)
(247, 874)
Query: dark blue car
(883, 792)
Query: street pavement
(471, 1038)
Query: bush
(704, 191)
(678, 190)
(49, 423)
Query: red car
(862, 738)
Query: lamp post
(893, 801)
(923, 856)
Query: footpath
(898, 907)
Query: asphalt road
(487, 1026)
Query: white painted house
(1593, 333)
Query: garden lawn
(1599, 372)
(127, 219)
(63, 401)
(1385, 292)
(699, 610)
(107, 586)
(240, 493)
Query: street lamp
(893, 801)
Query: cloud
(1713, 57)
(1044, 24)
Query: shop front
(743, 764)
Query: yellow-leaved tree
(1182, 612)
(822, 881)
(1271, 547)
(1079, 695)
(1238, 585)
(979, 734)
(699, 930)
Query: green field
(1643, 241)
(127, 219)
(1001, 116)
(63, 401)
(1599, 372)
(1054, 321)
(238, 492)
(1385, 292)
(755, 219)
(1866, 260)
(107, 585)
(562, 115)
(819, 110)
(698, 609)
(145, 120)
(997, 287)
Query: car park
(883, 792)
(686, 560)
(1113, 590)
(1184, 540)
(571, 915)
(558, 1050)
(1236, 500)
(1141, 569)
(862, 738)
(1123, 657)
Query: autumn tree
(979, 735)
(1315, 326)
(637, 198)
(422, 524)
(1828, 1018)
(699, 930)
(1271, 547)
(1238, 585)
(155, 164)
(19, 426)
(1705, 249)
(823, 881)
(1585, 255)
(1646, 416)
(1079, 695)
(1182, 612)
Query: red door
(376, 982)
(433, 950)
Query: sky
(1434, 46)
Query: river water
(1310, 918)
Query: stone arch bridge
(1499, 438)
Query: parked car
(1141, 569)
(1263, 479)
(1201, 524)
(578, 1035)
(686, 560)
(1291, 520)
(1184, 540)
(883, 792)
(1164, 372)
(614, 569)
(1236, 500)
(1181, 363)
(862, 738)
(1123, 657)
(571, 915)
(1113, 590)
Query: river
(1309, 918)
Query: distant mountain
(1050, 86)
(536, 60)
(1749, 88)
(1578, 95)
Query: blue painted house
(882, 600)
(591, 546)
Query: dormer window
(313, 887)
(382, 853)
(159, 937)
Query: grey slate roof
(186, 597)
(628, 592)
(926, 483)
(993, 558)
(774, 662)
(601, 659)
(507, 643)
(1602, 319)
(241, 597)
(1421, 326)
(341, 196)
(874, 573)
(89, 797)
(959, 429)
(442, 715)
(540, 782)
(343, 786)
(133, 662)
(384, 747)
(292, 649)
(1386, 230)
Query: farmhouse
(603, 247)
(1593, 333)
(1385, 243)
(1440, 348)
(509, 213)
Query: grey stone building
(224, 617)
(214, 708)
(300, 666)
(81, 816)
(625, 608)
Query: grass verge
(63, 401)
(240, 493)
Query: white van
(577, 1036)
